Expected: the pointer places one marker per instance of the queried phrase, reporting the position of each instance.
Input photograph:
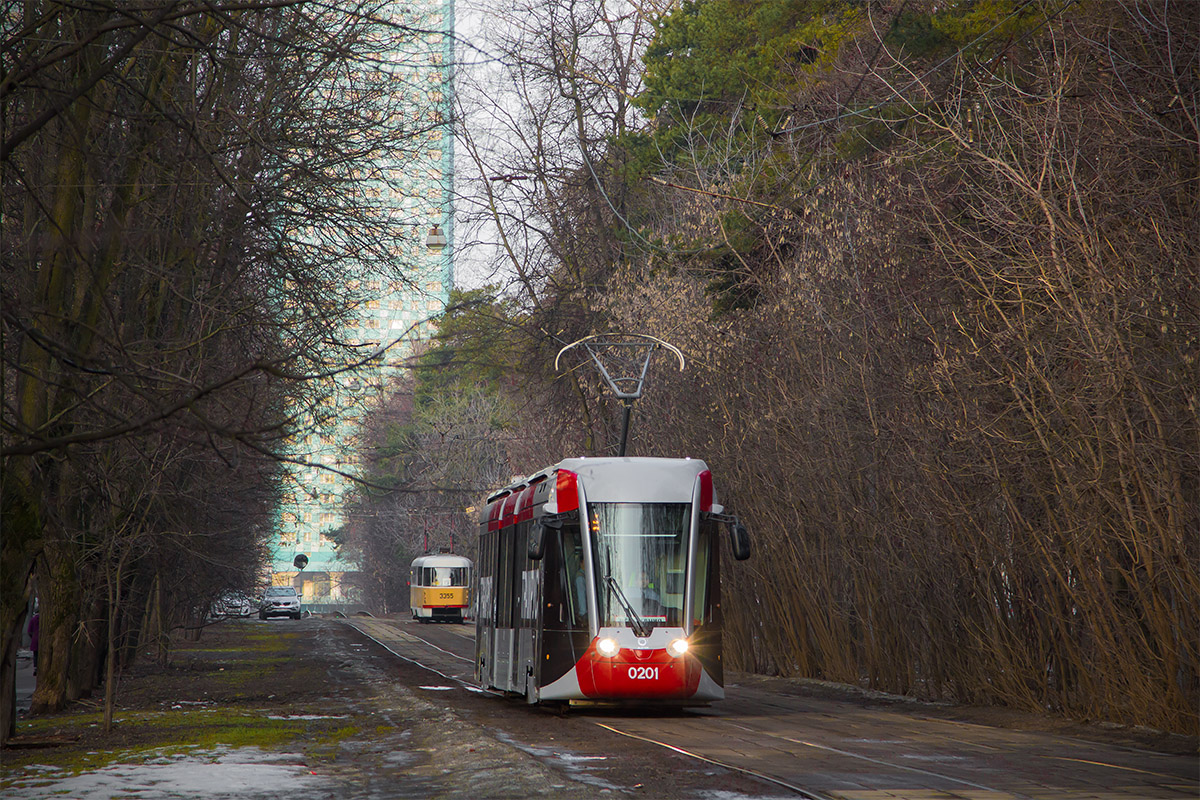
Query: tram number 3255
(643, 673)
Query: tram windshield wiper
(639, 625)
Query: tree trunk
(59, 590)
(164, 628)
(110, 661)
(18, 556)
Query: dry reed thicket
(961, 415)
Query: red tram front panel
(641, 673)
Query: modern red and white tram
(598, 581)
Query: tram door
(502, 653)
(485, 609)
(508, 640)
(526, 613)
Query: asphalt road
(796, 742)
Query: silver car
(233, 604)
(280, 601)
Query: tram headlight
(678, 647)
(607, 647)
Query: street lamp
(436, 240)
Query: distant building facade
(400, 306)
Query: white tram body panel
(599, 582)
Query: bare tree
(428, 466)
(187, 187)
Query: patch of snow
(571, 763)
(307, 716)
(399, 758)
(218, 773)
(721, 794)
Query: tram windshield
(642, 547)
(443, 576)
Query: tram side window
(504, 580)
(523, 600)
(487, 578)
(574, 579)
(705, 577)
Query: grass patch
(245, 685)
(155, 735)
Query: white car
(280, 601)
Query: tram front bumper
(609, 670)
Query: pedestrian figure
(651, 602)
(34, 626)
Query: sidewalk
(26, 681)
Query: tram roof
(643, 480)
(628, 479)
(441, 560)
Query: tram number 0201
(643, 673)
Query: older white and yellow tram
(599, 581)
(439, 588)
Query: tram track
(879, 762)
(776, 781)
(805, 793)
(847, 750)
(385, 643)
(388, 643)
(442, 649)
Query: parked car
(280, 601)
(233, 604)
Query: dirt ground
(996, 717)
(312, 708)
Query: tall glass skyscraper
(400, 305)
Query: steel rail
(441, 649)
(806, 793)
(809, 794)
(879, 761)
(413, 661)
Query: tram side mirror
(538, 531)
(537, 540)
(739, 538)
